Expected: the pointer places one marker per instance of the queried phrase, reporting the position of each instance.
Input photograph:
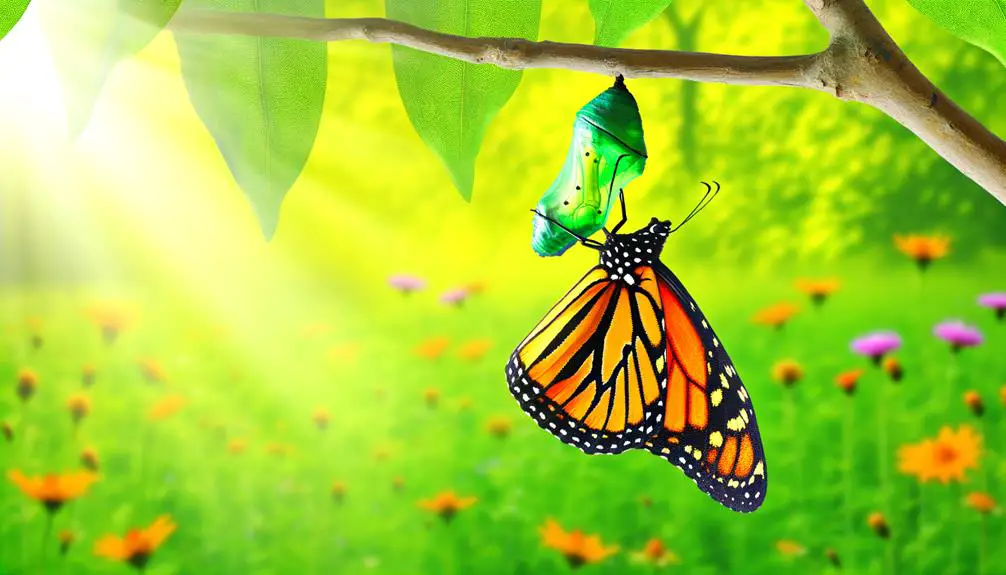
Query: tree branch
(861, 63)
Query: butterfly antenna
(583, 240)
(707, 198)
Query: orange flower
(237, 446)
(51, 490)
(321, 418)
(166, 407)
(338, 491)
(789, 548)
(475, 287)
(27, 383)
(654, 553)
(79, 406)
(138, 545)
(499, 427)
(111, 319)
(578, 548)
(833, 557)
(893, 368)
(66, 538)
(447, 504)
(818, 290)
(87, 374)
(89, 459)
(431, 396)
(433, 348)
(475, 349)
(847, 380)
(923, 249)
(945, 458)
(981, 502)
(1002, 395)
(974, 403)
(878, 523)
(152, 371)
(776, 316)
(787, 372)
(7, 430)
(398, 483)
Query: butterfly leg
(625, 217)
(593, 244)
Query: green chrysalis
(607, 152)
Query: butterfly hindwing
(591, 371)
(708, 428)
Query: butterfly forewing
(708, 428)
(591, 371)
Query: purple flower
(958, 334)
(406, 283)
(454, 297)
(995, 301)
(876, 345)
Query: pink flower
(995, 301)
(876, 345)
(454, 297)
(406, 283)
(958, 334)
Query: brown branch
(861, 63)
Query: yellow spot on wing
(724, 382)
(716, 439)
(716, 397)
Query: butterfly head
(624, 252)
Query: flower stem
(847, 442)
(955, 526)
(983, 543)
(45, 540)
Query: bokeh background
(292, 411)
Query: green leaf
(87, 39)
(260, 98)
(451, 103)
(614, 20)
(10, 13)
(979, 22)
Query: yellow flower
(111, 319)
(27, 383)
(818, 290)
(446, 504)
(89, 459)
(51, 490)
(152, 371)
(237, 446)
(787, 372)
(654, 553)
(923, 249)
(499, 427)
(789, 548)
(980, 502)
(577, 547)
(87, 374)
(338, 491)
(66, 538)
(321, 418)
(878, 523)
(431, 396)
(475, 349)
(945, 458)
(138, 545)
(433, 348)
(79, 406)
(166, 407)
(776, 316)
(847, 380)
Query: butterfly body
(626, 360)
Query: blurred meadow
(179, 396)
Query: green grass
(830, 460)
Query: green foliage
(87, 40)
(260, 98)
(980, 22)
(10, 13)
(616, 19)
(451, 103)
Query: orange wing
(708, 426)
(592, 371)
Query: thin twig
(861, 63)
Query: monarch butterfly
(626, 360)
